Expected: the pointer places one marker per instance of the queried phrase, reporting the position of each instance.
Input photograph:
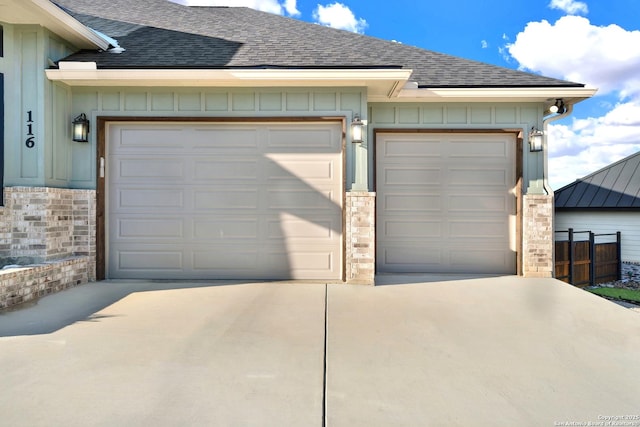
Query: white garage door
(446, 203)
(212, 200)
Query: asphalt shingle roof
(616, 186)
(161, 34)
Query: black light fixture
(80, 128)
(357, 130)
(558, 107)
(536, 140)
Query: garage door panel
(308, 263)
(224, 229)
(291, 229)
(477, 204)
(445, 203)
(149, 259)
(487, 149)
(411, 259)
(235, 201)
(480, 261)
(474, 177)
(136, 198)
(132, 139)
(411, 176)
(146, 228)
(307, 171)
(412, 229)
(225, 259)
(407, 203)
(399, 149)
(228, 141)
(485, 230)
(227, 169)
(158, 168)
(314, 140)
(221, 199)
(301, 199)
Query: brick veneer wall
(360, 238)
(48, 223)
(51, 227)
(25, 284)
(537, 236)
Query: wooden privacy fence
(582, 261)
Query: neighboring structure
(605, 202)
(220, 146)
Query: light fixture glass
(80, 128)
(558, 107)
(357, 130)
(536, 140)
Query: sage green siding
(465, 116)
(181, 102)
(36, 142)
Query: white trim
(384, 85)
(48, 15)
(380, 82)
(76, 66)
(534, 94)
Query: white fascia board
(534, 94)
(48, 15)
(381, 82)
(65, 21)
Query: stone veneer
(53, 229)
(360, 238)
(537, 236)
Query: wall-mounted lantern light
(80, 128)
(536, 139)
(357, 130)
(558, 107)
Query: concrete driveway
(413, 351)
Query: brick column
(537, 236)
(84, 227)
(360, 237)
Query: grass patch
(617, 293)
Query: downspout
(545, 165)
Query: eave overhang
(48, 15)
(547, 95)
(383, 83)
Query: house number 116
(31, 140)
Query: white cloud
(604, 57)
(586, 145)
(571, 7)
(291, 7)
(337, 15)
(271, 6)
(484, 44)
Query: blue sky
(594, 42)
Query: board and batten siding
(207, 102)
(39, 109)
(627, 223)
(466, 116)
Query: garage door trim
(518, 133)
(101, 136)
